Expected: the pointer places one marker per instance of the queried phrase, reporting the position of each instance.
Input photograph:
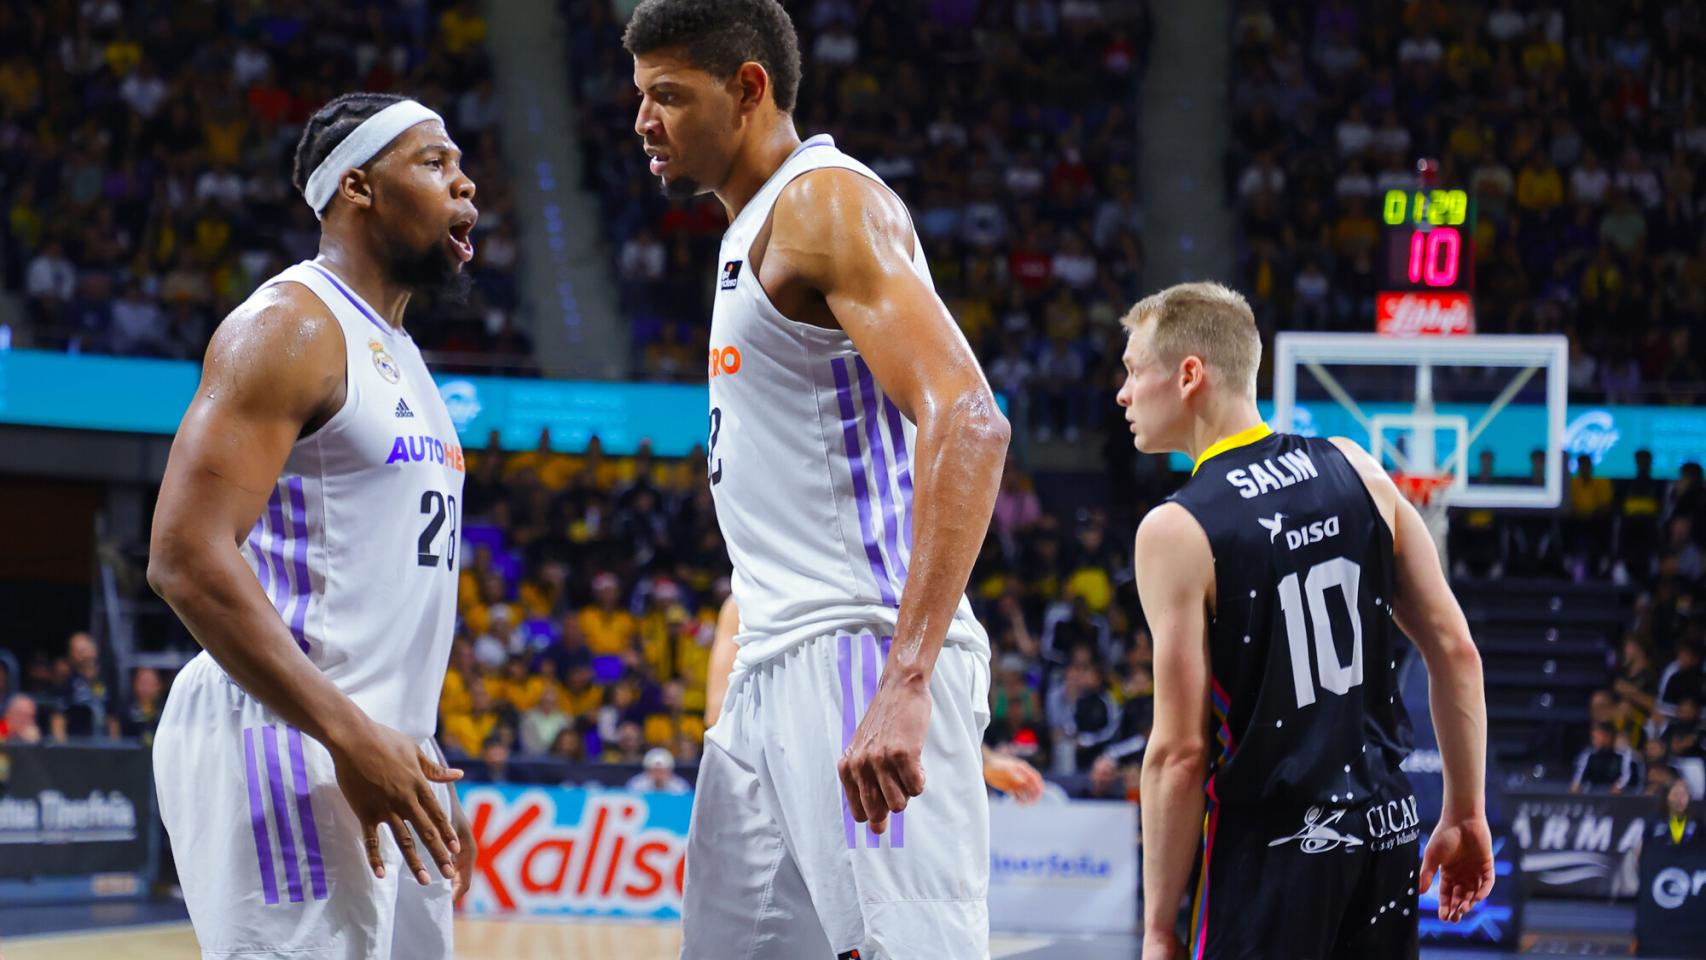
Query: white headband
(362, 145)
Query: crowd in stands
(1005, 125)
(146, 148)
(1579, 129)
(1645, 727)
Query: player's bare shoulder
(1379, 484)
(835, 216)
(283, 346)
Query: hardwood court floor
(475, 940)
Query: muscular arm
(1425, 609)
(272, 368)
(848, 239)
(1175, 573)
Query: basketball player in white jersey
(855, 449)
(306, 534)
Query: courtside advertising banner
(76, 822)
(562, 851)
(1063, 867)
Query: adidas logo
(403, 409)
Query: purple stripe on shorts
(856, 463)
(299, 562)
(258, 820)
(897, 823)
(868, 653)
(257, 543)
(880, 465)
(276, 548)
(897, 435)
(305, 813)
(281, 816)
(844, 666)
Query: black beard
(432, 274)
(681, 188)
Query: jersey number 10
(1335, 676)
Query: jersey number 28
(1335, 677)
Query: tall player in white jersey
(855, 450)
(306, 534)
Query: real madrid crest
(382, 362)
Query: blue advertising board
(133, 395)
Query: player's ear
(1191, 375)
(750, 83)
(356, 188)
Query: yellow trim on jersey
(1242, 438)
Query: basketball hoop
(1428, 492)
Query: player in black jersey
(1275, 583)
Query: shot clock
(1428, 233)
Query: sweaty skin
(274, 373)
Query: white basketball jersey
(810, 464)
(357, 549)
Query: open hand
(388, 780)
(883, 767)
(1461, 851)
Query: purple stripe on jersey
(305, 813)
(897, 435)
(334, 281)
(844, 666)
(868, 653)
(276, 546)
(897, 823)
(281, 815)
(299, 563)
(258, 820)
(880, 465)
(856, 463)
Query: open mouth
(659, 160)
(460, 229)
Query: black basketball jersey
(1304, 704)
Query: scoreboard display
(1429, 240)
(1429, 277)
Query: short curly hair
(329, 126)
(718, 36)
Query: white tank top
(810, 464)
(357, 549)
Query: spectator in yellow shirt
(461, 27)
(1538, 186)
(1587, 531)
(463, 675)
(519, 687)
(467, 732)
(581, 697)
(609, 630)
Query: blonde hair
(1205, 320)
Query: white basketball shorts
(776, 865)
(269, 854)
